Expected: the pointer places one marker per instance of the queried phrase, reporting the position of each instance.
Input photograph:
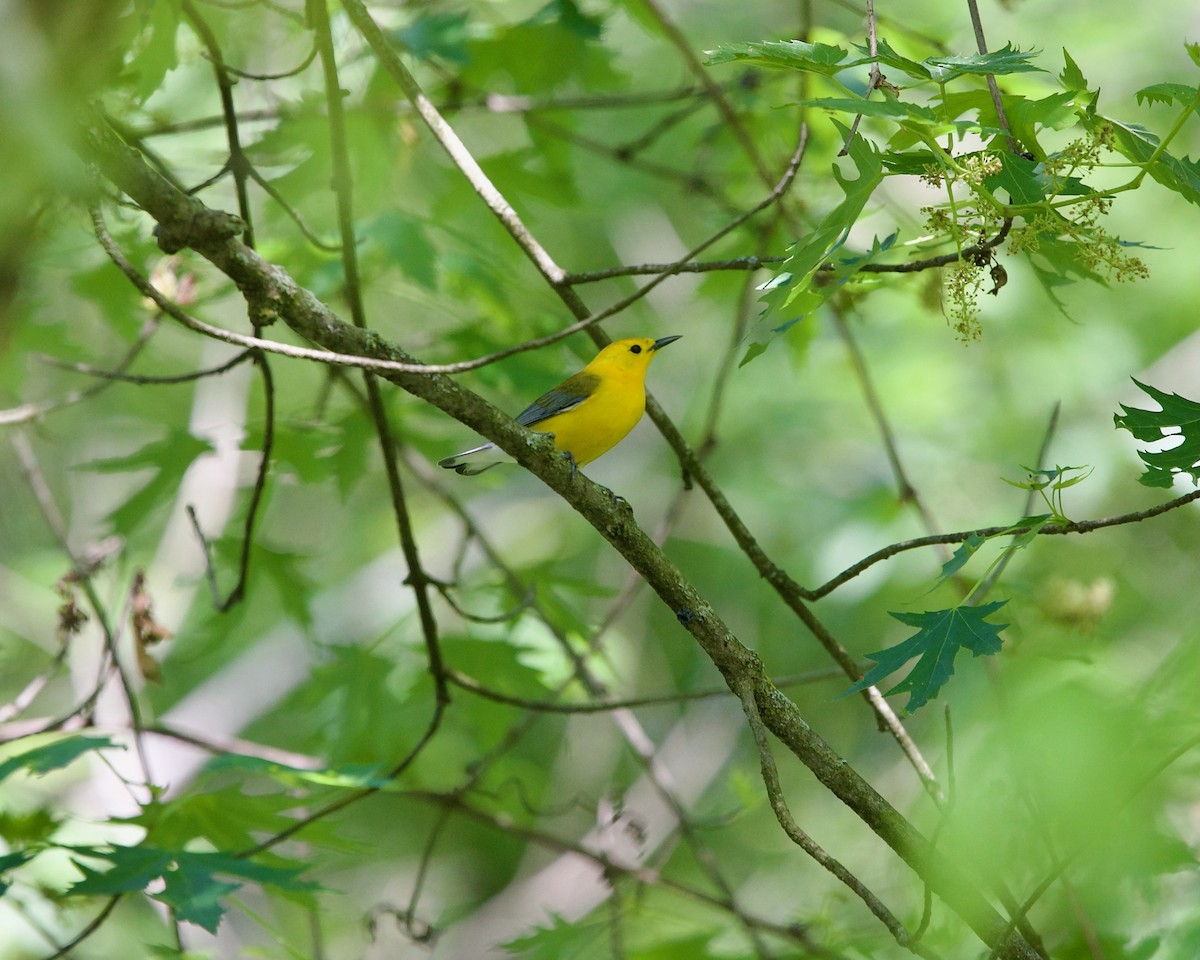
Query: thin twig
(343, 188)
(472, 685)
(779, 807)
(93, 925)
(146, 379)
(1077, 526)
(993, 87)
(33, 411)
(985, 585)
(875, 78)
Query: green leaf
(1072, 77)
(402, 240)
(889, 109)
(999, 62)
(12, 861)
(436, 34)
(348, 776)
(940, 635)
(190, 882)
(1027, 182)
(1139, 145)
(556, 938)
(21, 829)
(1168, 93)
(54, 756)
(154, 53)
(887, 57)
(794, 287)
(1057, 262)
(169, 458)
(822, 58)
(556, 47)
(194, 893)
(1055, 112)
(568, 15)
(965, 552)
(192, 887)
(132, 869)
(1019, 178)
(292, 582)
(1179, 417)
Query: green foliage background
(1066, 761)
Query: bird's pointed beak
(663, 341)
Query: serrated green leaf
(999, 62)
(940, 635)
(1033, 526)
(888, 57)
(1025, 117)
(1193, 51)
(1139, 144)
(552, 49)
(1179, 417)
(132, 869)
(822, 58)
(793, 288)
(21, 829)
(12, 861)
(195, 894)
(293, 585)
(1057, 262)
(1019, 179)
(554, 939)
(190, 878)
(154, 54)
(888, 108)
(1168, 93)
(965, 551)
(1072, 77)
(170, 458)
(1026, 181)
(54, 756)
(280, 874)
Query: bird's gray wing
(566, 396)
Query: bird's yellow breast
(601, 421)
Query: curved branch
(1079, 526)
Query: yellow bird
(589, 413)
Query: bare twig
(993, 87)
(779, 806)
(147, 379)
(875, 78)
(1078, 526)
(343, 188)
(603, 706)
(33, 411)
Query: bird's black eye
(636, 348)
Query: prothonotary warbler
(589, 413)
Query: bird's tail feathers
(472, 462)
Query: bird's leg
(571, 461)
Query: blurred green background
(1074, 748)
